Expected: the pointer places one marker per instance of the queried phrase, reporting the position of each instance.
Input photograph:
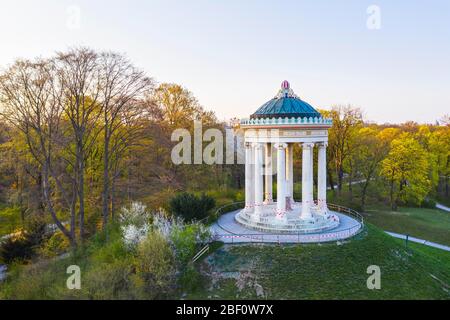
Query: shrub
(184, 242)
(21, 247)
(155, 269)
(165, 224)
(108, 281)
(239, 196)
(136, 214)
(190, 207)
(54, 246)
(110, 252)
(135, 224)
(36, 230)
(133, 235)
(428, 203)
(16, 249)
(29, 282)
(190, 279)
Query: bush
(110, 252)
(184, 242)
(54, 246)
(155, 269)
(36, 230)
(187, 241)
(108, 281)
(134, 224)
(190, 279)
(190, 207)
(428, 203)
(16, 249)
(29, 282)
(137, 214)
(21, 247)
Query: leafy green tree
(369, 151)
(406, 168)
(346, 122)
(439, 146)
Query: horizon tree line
(83, 131)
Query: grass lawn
(326, 271)
(428, 224)
(438, 255)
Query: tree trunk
(113, 198)
(363, 195)
(72, 212)
(330, 178)
(446, 186)
(41, 204)
(340, 178)
(80, 158)
(237, 175)
(391, 193)
(48, 201)
(397, 197)
(350, 181)
(238, 180)
(105, 193)
(20, 200)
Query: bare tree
(30, 101)
(122, 86)
(79, 76)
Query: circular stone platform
(228, 230)
(268, 221)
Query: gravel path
(442, 207)
(421, 241)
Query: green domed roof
(286, 104)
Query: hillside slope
(326, 271)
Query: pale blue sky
(233, 55)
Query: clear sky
(233, 55)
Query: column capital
(323, 144)
(307, 145)
(281, 146)
(257, 145)
(248, 145)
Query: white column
(281, 179)
(306, 180)
(311, 173)
(249, 194)
(258, 148)
(290, 171)
(322, 177)
(268, 174)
